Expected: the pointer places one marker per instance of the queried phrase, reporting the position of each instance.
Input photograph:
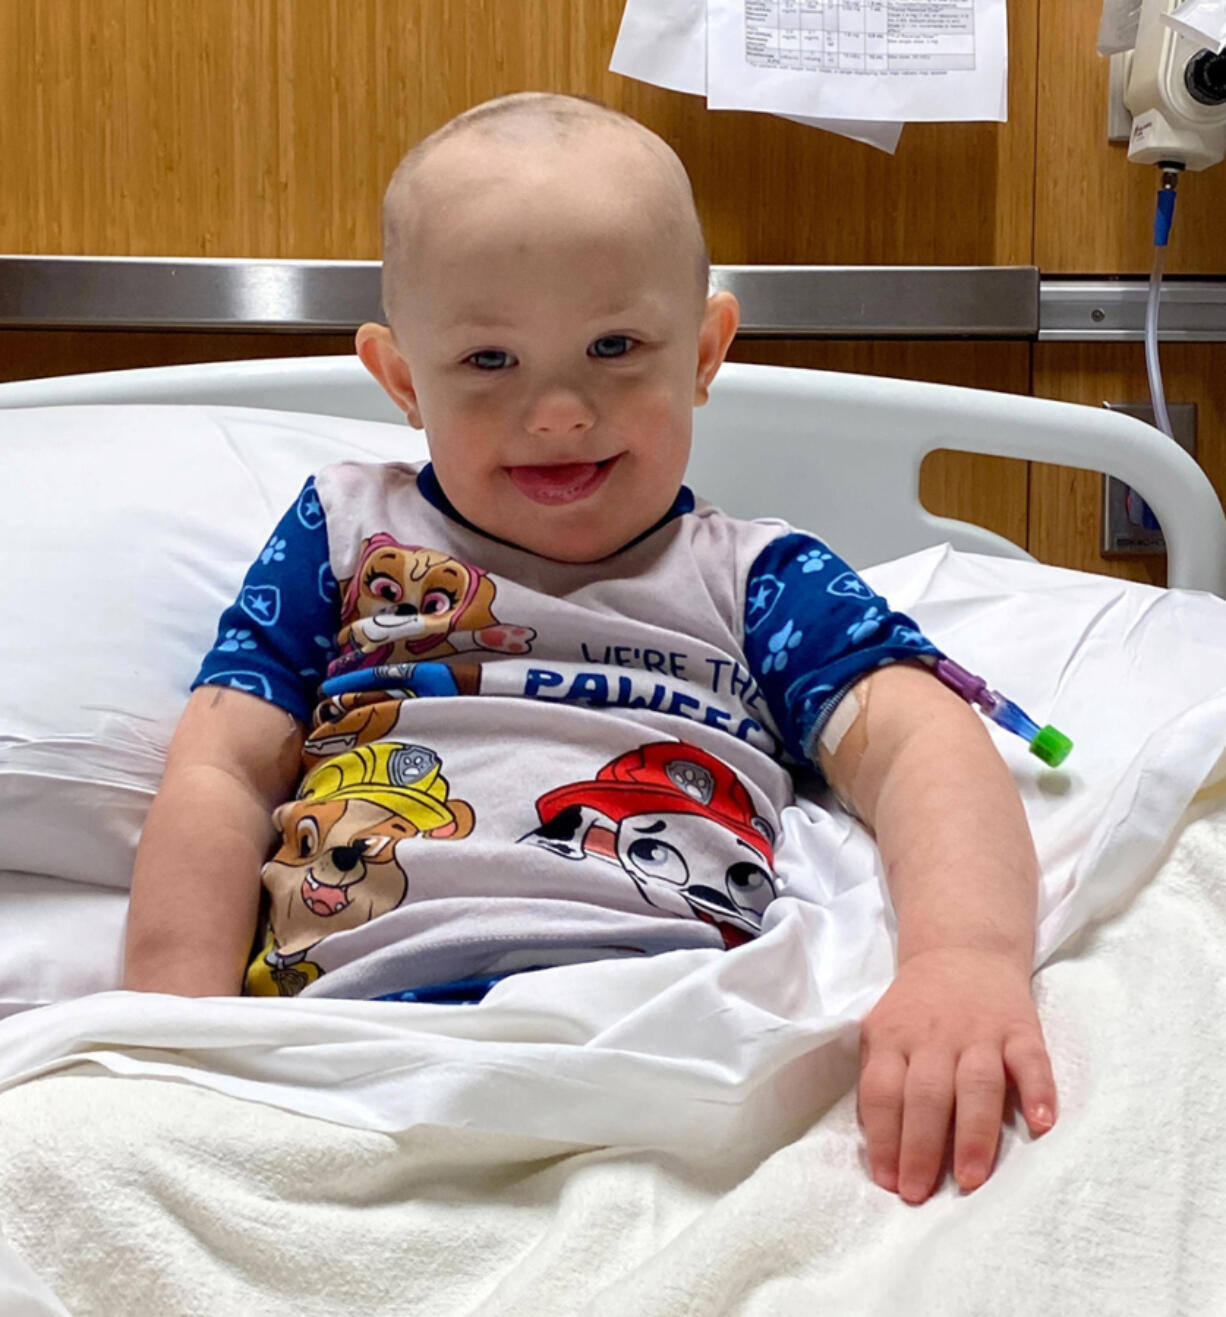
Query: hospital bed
(813, 447)
(672, 1136)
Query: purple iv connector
(1050, 745)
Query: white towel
(159, 1196)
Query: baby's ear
(377, 349)
(719, 326)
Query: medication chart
(859, 36)
(664, 42)
(865, 59)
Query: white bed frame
(836, 454)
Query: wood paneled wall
(269, 128)
(264, 128)
(1094, 215)
(1093, 210)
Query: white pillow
(124, 532)
(58, 940)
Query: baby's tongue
(563, 483)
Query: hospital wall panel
(35, 353)
(264, 128)
(1065, 503)
(1093, 209)
(269, 127)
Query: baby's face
(553, 332)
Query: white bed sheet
(715, 1061)
(199, 1203)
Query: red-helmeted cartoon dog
(680, 823)
(405, 603)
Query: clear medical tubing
(1163, 217)
(1047, 743)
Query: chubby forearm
(959, 859)
(955, 844)
(196, 886)
(958, 1023)
(196, 882)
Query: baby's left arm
(919, 768)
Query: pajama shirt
(514, 762)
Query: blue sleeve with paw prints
(278, 637)
(813, 628)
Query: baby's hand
(952, 1026)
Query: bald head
(537, 142)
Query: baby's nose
(560, 411)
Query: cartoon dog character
(406, 603)
(353, 718)
(340, 863)
(680, 823)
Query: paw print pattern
(235, 639)
(506, 639)
(813, 560)
(867, 625)
(784, 640)
(906, 635)
(274, 551)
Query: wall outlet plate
(1119, 116)
(1121, 538)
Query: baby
(538, 704)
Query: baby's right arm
(196, 887)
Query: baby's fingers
(879, 1103)
(980, 1105)
(928, 1101)
(1030, 1068)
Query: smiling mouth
(562, 482)
(322, 898)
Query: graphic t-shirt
(515, 762)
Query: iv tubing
(1163, 218)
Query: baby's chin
(582, 544)
(587, 530)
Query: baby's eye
(490, 359)
(611, 345)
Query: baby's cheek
(670, 426)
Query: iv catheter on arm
(1048, 744)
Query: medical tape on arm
(849, 719)
(849, 710)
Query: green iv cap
(1051, 746)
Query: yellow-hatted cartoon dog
(338, 864)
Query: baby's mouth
(562, 482)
